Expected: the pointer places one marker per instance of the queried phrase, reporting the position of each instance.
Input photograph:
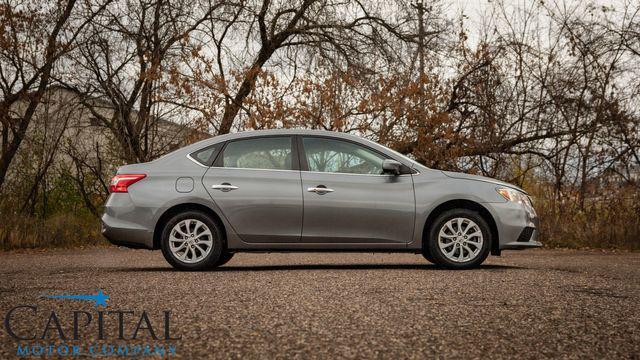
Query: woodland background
(542, 94)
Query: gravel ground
(530, 304)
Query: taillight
(120, 183)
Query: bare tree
(289, 37)
(125, 59)
(27, 62)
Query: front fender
(433, 189)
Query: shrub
(64, 230)
(609, 221)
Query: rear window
(270, 153)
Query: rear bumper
(125, 237)
(117, 227)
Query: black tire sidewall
(225, 257)
(434, 250)
(211, 259)
(427, 255)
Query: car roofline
(287, 132)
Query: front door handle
(224, 187)
(320, 190)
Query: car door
(347, 199)
(256, 184)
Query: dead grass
(611, 222)
(68, 230)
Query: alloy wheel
(460, 239)
(190, 241)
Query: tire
(426, 255)
(224, 258)
(459, 245)
(192, 226)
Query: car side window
(207, 155)
(337, 156)
(271, 153)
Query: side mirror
(391, 167)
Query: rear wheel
(225, 257)
(192, 241)
(459, 239)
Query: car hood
(463, 176)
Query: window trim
(304, 165)
(196, 161)
(295, 158)
(212, 160)
(298, 156)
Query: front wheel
(459, 239)
(192, 241)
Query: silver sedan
(304, 190)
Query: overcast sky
(476, 10)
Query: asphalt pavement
(529, 304)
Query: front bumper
(518, 226)
(526, 240)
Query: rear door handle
(320, 190)
(224, 187)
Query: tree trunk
(34, 99)
(232, 108)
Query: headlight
(514, 195)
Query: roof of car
(272, 132)
(257, 133)
(285, 132)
